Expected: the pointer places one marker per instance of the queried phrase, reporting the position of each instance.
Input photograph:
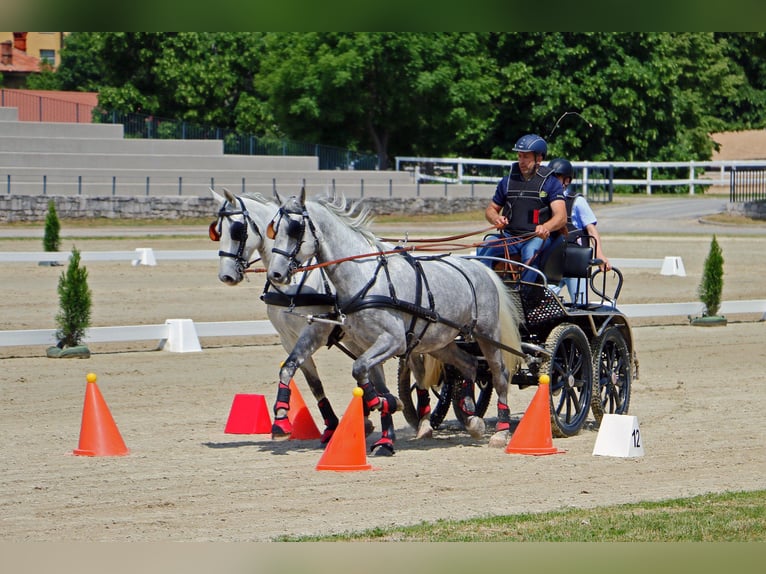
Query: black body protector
(524, 207)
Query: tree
(711, 285)
(73, 317)
(51, 238)
(412, 94)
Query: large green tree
(643, 96)
(411, 94)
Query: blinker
(213, 231)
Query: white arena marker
(673, 266)
(619, 436)
(182, 336)
(145, 256)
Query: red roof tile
(22, 62)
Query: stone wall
(753, 209)
(23, 208)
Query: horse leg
(500, 379)
(467, 365)
(362, 369)
(329, 417)
(426, 371)
(307, 343)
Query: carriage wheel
(482, 390)
(613, 371)
(408, 391)
(570, 368)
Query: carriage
(586, 348)
(389, 301)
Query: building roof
(22, 63)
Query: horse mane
(354, 215)
(258, 198)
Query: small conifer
(711, 285)
(73, 317)
(51, 238)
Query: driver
(528, 206)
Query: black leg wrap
(424, 403)
(385, 444)
(328, 414)
(371, 398)
(283, 398)
(389, 404)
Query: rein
(430, 245)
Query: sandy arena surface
(699, 403)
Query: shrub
(51, 239)
(711, 285)
(73, 317)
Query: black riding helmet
(561, 166)
(533, 143)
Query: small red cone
(533, 434)
(347, 450)
(304, 427)
(98, 433)
(248, 415)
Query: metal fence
(748, 183)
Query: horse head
(239, 228)
(296, 239)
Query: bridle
(237, 232)
(295, 230)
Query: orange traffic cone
(304, 427)
(533, 434)
(347, 449)
(248, 415)
(98, 433)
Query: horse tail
(510, 319)
(433, 369)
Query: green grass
(727, 517)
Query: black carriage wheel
(570, 368)
(613, 373)
(408, 395)
(482, 391)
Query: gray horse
(240, 229)
(391, 303)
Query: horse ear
(217, 196)
(276, 195)
(229, 196)
(303, 196)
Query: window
(48, 56)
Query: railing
(638, 176)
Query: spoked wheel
(408, 395)
(480, 392)
(613, 371)
(570, 368)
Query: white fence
(656, 174)
(182, 335)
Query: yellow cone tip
(358, 392)
(91, 377)
(544, 380)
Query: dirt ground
(699, 402)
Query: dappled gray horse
(391, 303)
(240, 229)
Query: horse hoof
(369, 427)
(281, 429)
(475, 426)
(326, 436)
(500, 439)
(425, 430)
(383, 449)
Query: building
(25, 53)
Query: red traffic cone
(347, 450)
(248, 415)
(304, 427)
(98, 433)
(533, 434)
